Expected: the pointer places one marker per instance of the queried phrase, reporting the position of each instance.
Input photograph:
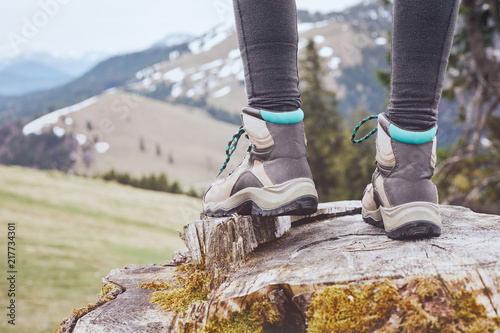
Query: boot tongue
(255, 123)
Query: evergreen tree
(142, 146)
(158, 149)
(162, 183)
(469, 175)
(323, 124)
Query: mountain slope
(210, 72)
(110, 73)
(139, 135)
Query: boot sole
(407, 221)
(301, 206)
(294, 197)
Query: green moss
(352, 309)
(254, 319)
(105, 296)
(423, 305)
(193, 285)
(153, 285)
(106, 290)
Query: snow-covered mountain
(207, 71)
(211, 74)
(174, 39)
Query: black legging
(422, 35)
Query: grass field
(70, 232)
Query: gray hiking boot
(401, 197)
(274, 177)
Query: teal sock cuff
(412, 137)
(283, 118)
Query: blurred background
(114, 117)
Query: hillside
(212, 73)
(207, 71)
(139, 135)
(113, 72)
(71, 231)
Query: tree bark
(314, 253)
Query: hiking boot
(274, 177)
(401, 197)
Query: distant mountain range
(212, 72)
(30, 76)
(207, 71)
(37, 71)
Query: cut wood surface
(227, 242)
(314, 252)
(346, 249)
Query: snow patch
(222, 92)
(197, 76)
(174, 75)
(334, 63)
(319, 39)
(102, 147)
(68, 121)
(143, 73)
(212, 64)
(36, 126)
(322, 24)
(176, 90)
(110, 91)
(234, 54)
(211, 39)
(59, 131)
(381, 41)
(325, 51)
(81, 138)
(225, 71)
(305, 26)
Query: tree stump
(314, 253)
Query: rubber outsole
(417, 229)
(412, 230)
(301, 206)
(407, 221)
(372, 221)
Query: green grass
(71, 232)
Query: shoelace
(233, 142)
(231, 147)
(355, 131)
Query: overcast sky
(76, 26)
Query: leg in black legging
(267, 35)
(422, 36)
